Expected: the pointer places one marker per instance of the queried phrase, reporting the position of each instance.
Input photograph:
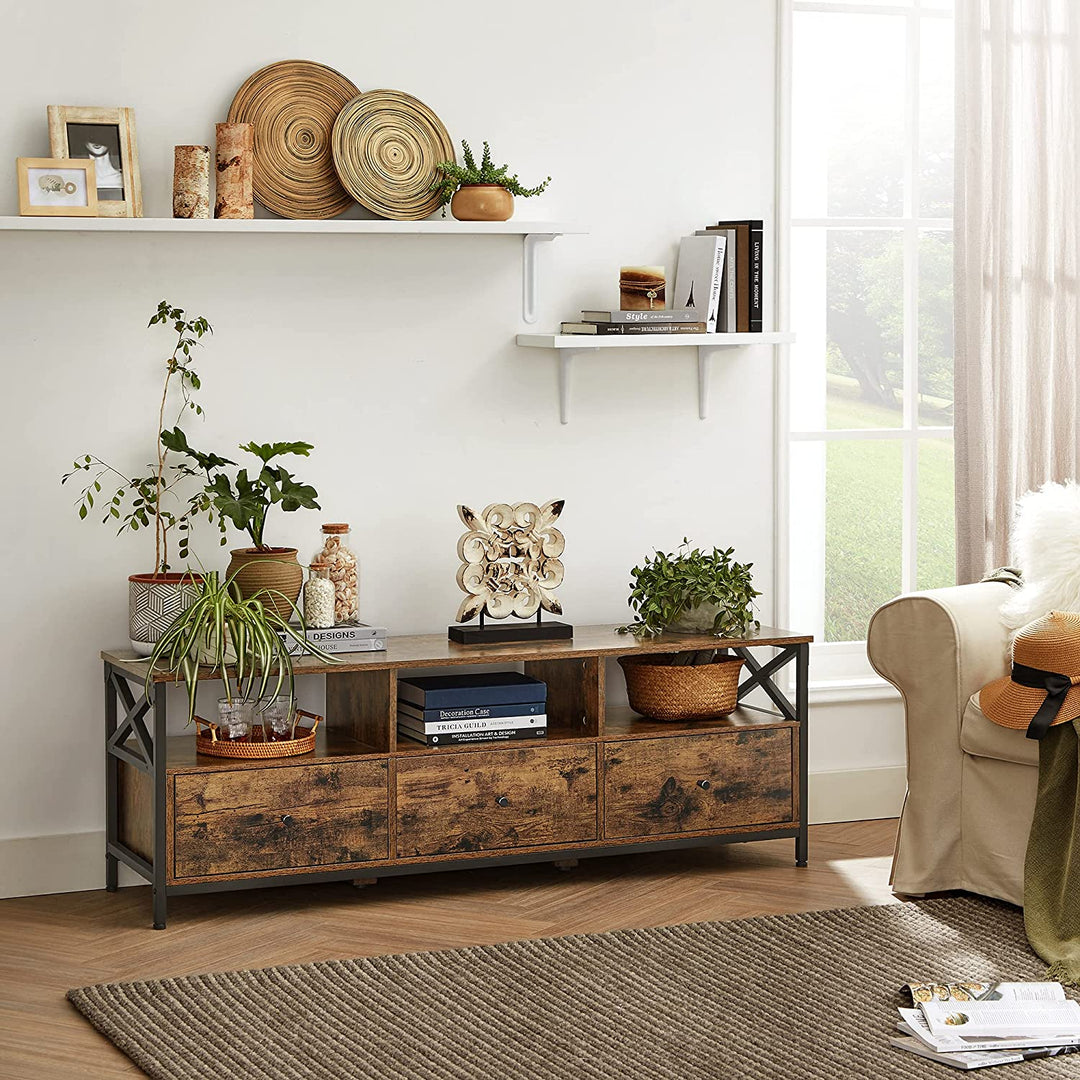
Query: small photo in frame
(105, 136)
(51, 187)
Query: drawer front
(279, 818)
(655, 787)
(456, 803)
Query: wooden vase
(482, 202)
(235, 153)
(274, 569)
(191, 182)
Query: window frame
(843, 665)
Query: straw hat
(1043, 687)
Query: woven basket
(669, 692)
(258, 747)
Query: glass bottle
(319, 596)
(337, 553)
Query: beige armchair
(971, 783)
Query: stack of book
(718, 288)
(346, 637)
(973, 1024)
(498, 706)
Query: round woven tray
(292, 106)
(386, 145)
(669, 692)
(257, 747)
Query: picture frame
(56, 187)
(107, 136)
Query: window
(869, 295)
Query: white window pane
(806, 537)
(936, 328)
(936, 532)
(847, 114)
(936, 117)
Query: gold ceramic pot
(482, 202)
(274, 568)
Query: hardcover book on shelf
(473, 712)
(727, 317)
(660, 316)
(459, 738)
(348, 637)
(605, 329)
(451, 727)
(698, 275)
(749, 271)
(459, 691)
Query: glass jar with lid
(319, 596)
(344, 572)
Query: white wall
(395, 356)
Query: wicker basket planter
(275, 569)
(664, 691)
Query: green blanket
(1052, 866)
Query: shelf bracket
(565, 360)
(529, 285)
(704, 369)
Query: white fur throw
(1046, 547)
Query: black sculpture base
(470, 634)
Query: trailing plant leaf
(219, 622)
(455, 176)
(666, 586)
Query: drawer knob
(704, 785)
(286, 819)
(502, 800)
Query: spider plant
(245, 642)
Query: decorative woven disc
(293, 105)
(386, 146)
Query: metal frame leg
(112, 768)
(158, 808)
(802, 711)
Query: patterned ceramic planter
(154, 601)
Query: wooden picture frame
(107, 136)
(53, 187)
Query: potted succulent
(155, 499)
(272, 573)
(480, 193)
(245, 641)
(692, 592)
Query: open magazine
(972, 1024)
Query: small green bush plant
(455, 176)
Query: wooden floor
(51, 943)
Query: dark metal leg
(112, 767)
(158, 807)
(802, 712)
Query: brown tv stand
(365, 805)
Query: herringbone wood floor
(51, 943)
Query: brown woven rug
(806, 996)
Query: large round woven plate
(293, 105)
(386, 145)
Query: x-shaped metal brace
(761, 675)
(132, 724)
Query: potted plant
(271, 573)
(480, 193)
(692, 592)
(245, 641)
(154, 499)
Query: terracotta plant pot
(276, 568)
(154, 601)
(482, 202)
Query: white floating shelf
(567, 346)
(532, 233)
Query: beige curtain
(1016, 317)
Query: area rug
(790, 996)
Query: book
(912, 1022)
(661, 316)
(961, 1059)
(348, 637)
(750, 272)
(633, 328)
(461, 691)
(475, 712)
(452, 727)
(1020, 1019)
(726, 317)
(459, 737)
(698, 275)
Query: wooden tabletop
(435, 650)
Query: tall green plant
(455, 176)
(247, 500)
(241, 640)
(152, 497)
(664, 587)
